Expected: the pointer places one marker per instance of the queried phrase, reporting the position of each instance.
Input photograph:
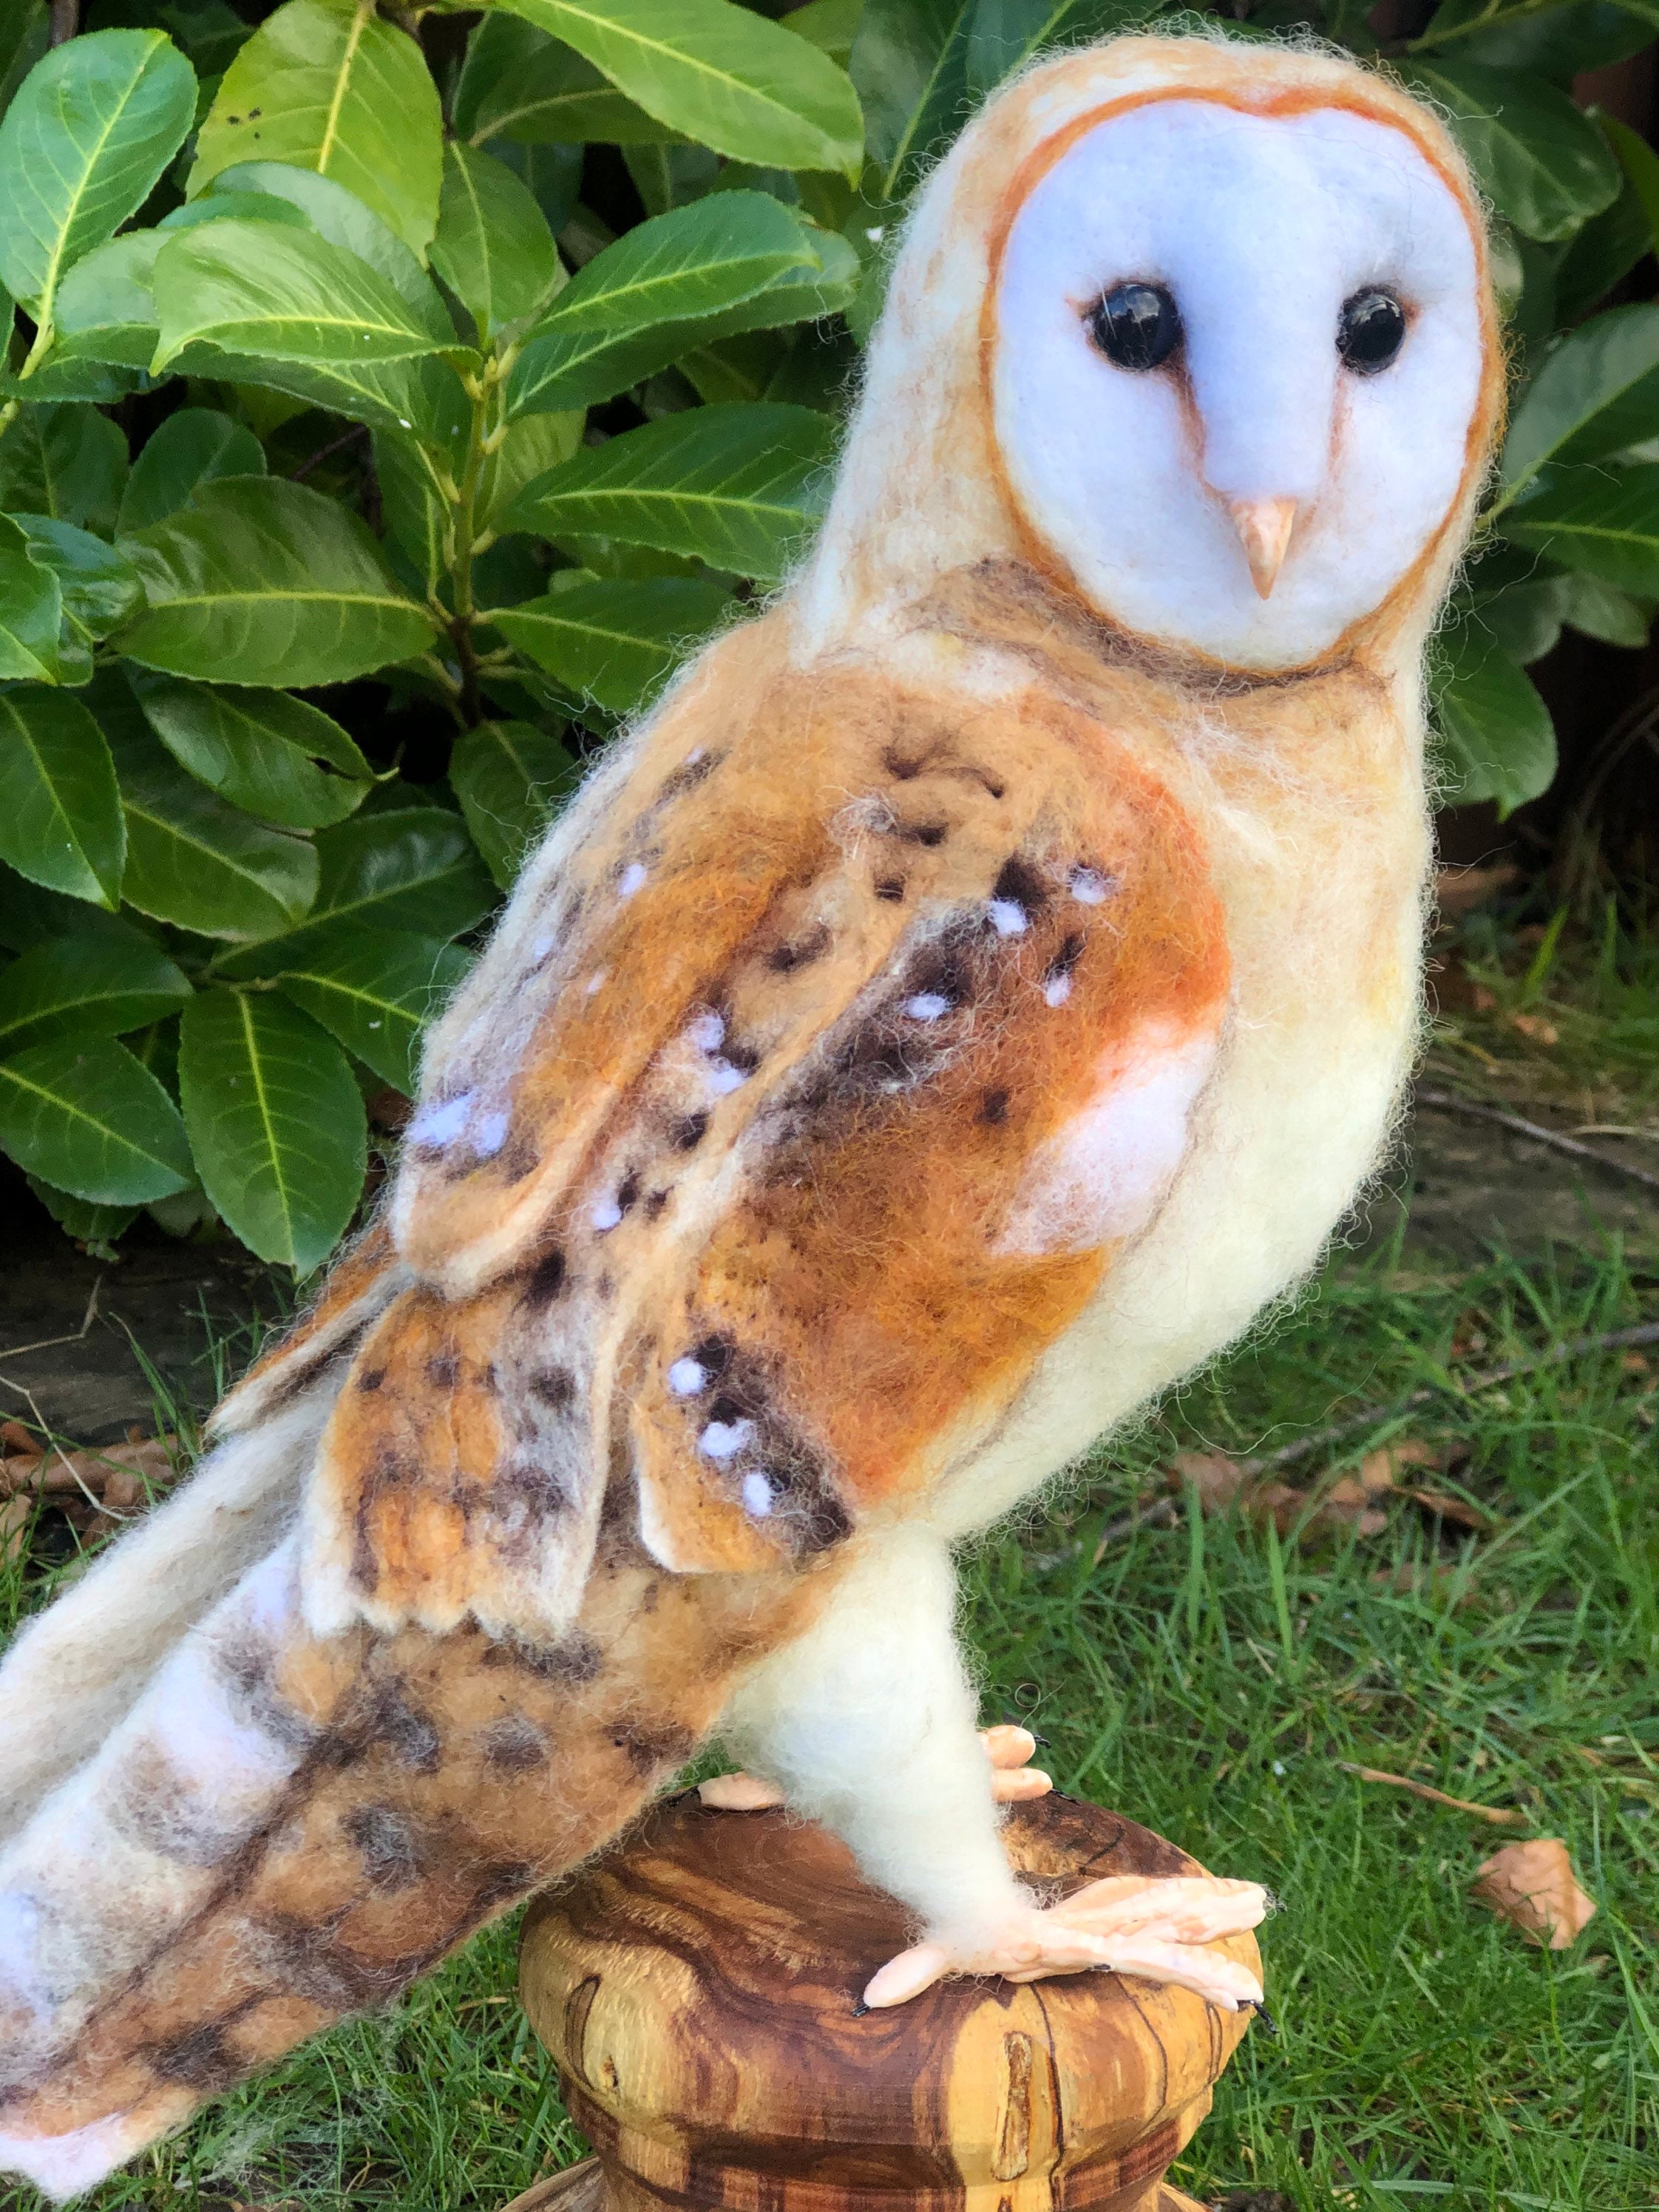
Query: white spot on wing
(724, 1439)
(631, 879)
(1057, 990)
(441, 1122)
(1008, 917)
(1091, 888)
(927, 1007)
(686, 1377)
(1105, 1174)
(707, 1032)
(489, 1134)
(723, 1078)
(757, 1495)
(605, 1214)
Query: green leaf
(285, 294)
(1497, 734)
(740, 488)
(1602, 522)
(31, 610)
(1604, 252)
(1545, 167)
(95, 1226)
(96, 122)
(267, 752)
(327, 85)
(217, 206)
(518, 84)
(260, 581)
(83, 1114)
(336, 213)
(88, 985)
(192, 447)
(1599, 611)
(533, 444)
(1005, 34)
(415, 869)
(493, 246)
(106, 312)
(375, 990)
(1597, 393)
(276, 1123)
(99, 588)
(68, 462)
(510, 778)
(909, 64)
(194, 862)
(614, 642)
(60, 817)
(716, 73)
(829, 25)
(413, 507)
(1640, 165)
(648, 299)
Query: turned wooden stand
(698, 1989)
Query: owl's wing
(798, 1105)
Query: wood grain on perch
(699, 1989)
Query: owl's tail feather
(285, 1829)
(78, 1668)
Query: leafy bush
(345, 511)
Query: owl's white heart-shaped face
(1238, 363)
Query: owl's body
(948, 1019)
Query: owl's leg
(866, 1724)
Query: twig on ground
(1496, 1814)
(45, 1343)
(1448, 1102)
(1456, 1386)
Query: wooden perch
(698, 1988)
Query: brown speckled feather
(732, 1143)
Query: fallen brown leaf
(1497, 1814)
(17, 1438)
(1535, 1029)
(1225, 1485)
(14, 1521)
(1532, 1886)
(1445, 1507)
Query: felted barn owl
(974, 991)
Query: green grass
(1208, 1681)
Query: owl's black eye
(1371, 330)
(1136, 326)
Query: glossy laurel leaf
(511, 779)
(81, 145)
(741, 488)
(613, 640)
(647, 300)
(1605, 522)
(718, 73)
(264, 582)
(275, 1122)
(87, 985)
(82, 1113)
(1545, 167)
(273, 756)
(493, 246)
(375, 990)
(60, 813)
(329, 85)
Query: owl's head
(1204, 330)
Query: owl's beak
(1264, 527)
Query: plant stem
(464, 544)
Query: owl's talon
(1012, 1782)
(738, 1793)
(1156, 1930)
